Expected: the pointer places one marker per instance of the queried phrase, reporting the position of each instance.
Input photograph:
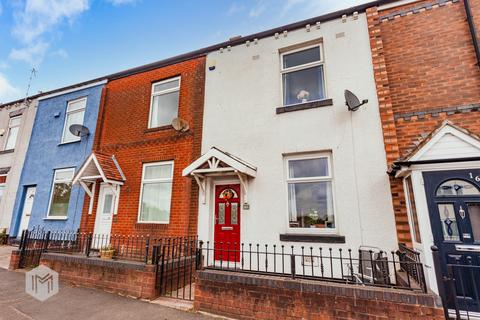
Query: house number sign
(476, 178)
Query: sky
(71, 41)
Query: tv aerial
(180, 125)
(352, 101)
(79, 130)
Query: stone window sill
(7, 151)
(305, 106)
(320, 238)
(162, 128)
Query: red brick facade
(122, 131)
(248, 296)
(425, 72)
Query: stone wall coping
(93, 261)
(321, 287)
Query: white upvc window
(74, 115)
(310, 193)
(60, 194)
(12, 134)
(164, 102)
(302, 72)
(2, 189)
(156, 192)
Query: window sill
(70, 142)
(152, 222)
(55, 218)
(7, 151)
(162, 128)
(305, 106)
(323, 238)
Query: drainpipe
(473, 31)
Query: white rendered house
(284, 160)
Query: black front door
(454, 206)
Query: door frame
(420, 196)
(100, 203)
(22, 208)
(212, 206)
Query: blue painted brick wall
(45, 154)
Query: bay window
(310, 192)
(156, 192)
(303, 77)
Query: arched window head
(455, 188)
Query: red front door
(227, 222)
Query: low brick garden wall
(129, 278)
(247, 296)
(14, 260)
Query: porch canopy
(217, 163)
(99, 166)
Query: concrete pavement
(77, 303)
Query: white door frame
(105, 187)
(25, 218)
(421, 204)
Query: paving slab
(78, 303)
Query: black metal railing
(120, 247)
(409, 262)
(176, 263)
(366, 266)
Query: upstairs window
(303, 75)
(12, 134)
(164, 102)
(74, 115)
(310, 192)
(61, 191)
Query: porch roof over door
(100, 166)
(218, 162)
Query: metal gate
(32, 244)
(176, 264)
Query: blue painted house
(46, 197)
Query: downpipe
(473, 31)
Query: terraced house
(46, 198)
(133, 176)
(427, 70)
(16, 120)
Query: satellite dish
(79, 130)
(180, 125)
(353, 103)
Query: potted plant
(107, 252)
(3, 236)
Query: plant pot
(107, 254)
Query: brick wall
(122, 131)
(246, 296)
(127, 278)
(425, 72)
(14, 260)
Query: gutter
(473, 31)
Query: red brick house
(426, 64)
(138, 154)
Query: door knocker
(461, 212)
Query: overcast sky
(70, 41)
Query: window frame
(142, 182)
(330, 178)
(154, 94)
(8, 132)
(55, 171)
(67, 113)
(320, 62)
